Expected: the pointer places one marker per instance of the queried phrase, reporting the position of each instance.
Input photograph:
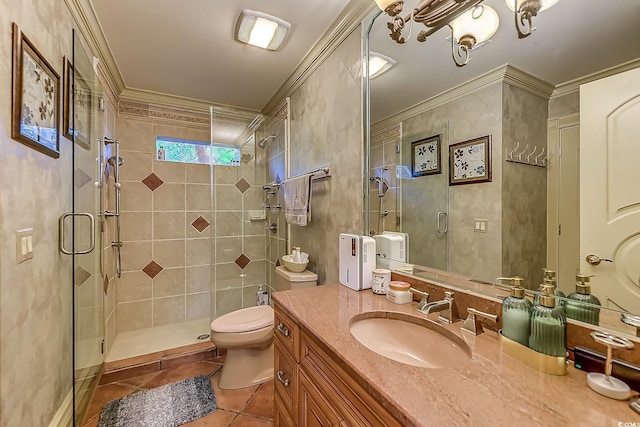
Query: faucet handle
(473, 323)
(448, 295)
(425, 298)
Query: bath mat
(167, 406)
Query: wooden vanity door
(314, 410)
(610, 187)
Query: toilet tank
(286, 279)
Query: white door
(610, 188)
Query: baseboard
(64, 415)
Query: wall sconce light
(378, 64)
(470, 29)
(261, 30)
(524, 10)
(470, 21)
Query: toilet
(247, 335)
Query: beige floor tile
(107, 393)
(219, 418)
(247, 421)
(180, 373)
(231, 400)
(261, 403)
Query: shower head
(263, 142)
(382, 186)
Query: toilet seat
(244, 320)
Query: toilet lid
(244, 320)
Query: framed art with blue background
(426, 156)
(470, 161)
(35, 98)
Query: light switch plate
(480, 225)
(24, 245)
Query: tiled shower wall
(191, 250)
(166, 226)
(383, 162)
(275, 153)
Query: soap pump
(575, 307)
(548, 325)
(516, 317)
(549, 278)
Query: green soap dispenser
(516, 317)
(549, 278)
(574, 307)
(548, 325)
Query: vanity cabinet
(312, 388)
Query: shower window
(190, 151)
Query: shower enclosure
(80, 229)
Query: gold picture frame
(35, 98)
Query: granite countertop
(493, 389)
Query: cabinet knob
(284, 331)
(280, 376)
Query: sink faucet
(447, 308)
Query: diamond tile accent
(80, 276)
(243, 185)
(81, 178)
(242, 261)
(200, 224)
(152, 181)
(278, 263)
(152, 269)
(105, 284)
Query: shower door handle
(439, 228)
(92, 230)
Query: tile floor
(248, 407)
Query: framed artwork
(35, 98)
(77, 100)
(470, 161)
(425, 156)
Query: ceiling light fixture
(524, 11)
(470, 22)
(261, 30)
(378, 64)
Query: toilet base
(246, 367)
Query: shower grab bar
(92, 229)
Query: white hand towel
(297, 200)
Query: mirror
(509, 90)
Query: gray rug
(167, 406)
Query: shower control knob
(117, 185)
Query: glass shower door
(86, 128)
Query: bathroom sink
(409, 339)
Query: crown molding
(574, 85)
(504, 74)
(90, 29)
(349, 19)
(159, 106)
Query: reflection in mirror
(525, 94)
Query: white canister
(399, 292)
(380, 281)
